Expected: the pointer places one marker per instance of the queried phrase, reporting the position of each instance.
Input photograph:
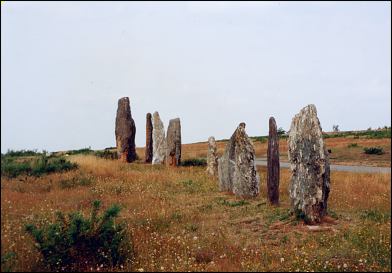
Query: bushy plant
(11, 167)
(80, 151)
(352, 145)
(12, 153)
(75, 242)
(107, 154)
(194, 162)
(374, 150)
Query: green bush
(12, 153)
(374, 150)
(69, 244)
(107, 154)
(80, 151)
(194, 162)
(11, 167)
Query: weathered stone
(125, 131)
(226, 164)
(246, 179)
(173, 143)
(273, 165)
(212, 157)
(308, 156)
(148, 151)
(158, 140)
(237, 168)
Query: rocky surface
(125, 131)
(173, 143)
(158, 140)
(237, 168)
(212, 157)
(149, 142)
(273, 165)
(308, 157)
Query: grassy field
(179, 221)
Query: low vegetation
(177, 220)
(12, 166)
(73, 243)
(374, 151)
(194, 162)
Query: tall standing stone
(158, 140)
(125, 131)
(173, 143)
(212, 157)
(273, 165)
(149, 142)
(236, 168)
(246, 179)
(308, 156)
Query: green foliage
(262, 139)
(83, 151)
(371, 134)
(373, 151)
(281, 131)
(7, 261)
(194, 162)
(12, 153)
(73, 241)
(191, 186)
(12, 167)
(376, 216)
(107, 154)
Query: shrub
(69, 244)
(374, 150)
(74, 182)
(12, 153)
(80, 151)
(10, 167)
(107, 154)
(194, 162)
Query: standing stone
(173, 143)
(308, 156)
(148, 152)
(158, 140)
(212, 157)
(273, 166)
(237, 168)
(125, 132)
(246, 180)
(226, 166)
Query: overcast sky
(65, 65)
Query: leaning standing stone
(273, 166)
(226, 165)
(173, 142)
(308, 156)
(245, 179)
(148, 152)
(125, 131)
(212, 157)
(158, 140)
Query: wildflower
(281, 260)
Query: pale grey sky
(213, 65)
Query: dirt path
(344, 168)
